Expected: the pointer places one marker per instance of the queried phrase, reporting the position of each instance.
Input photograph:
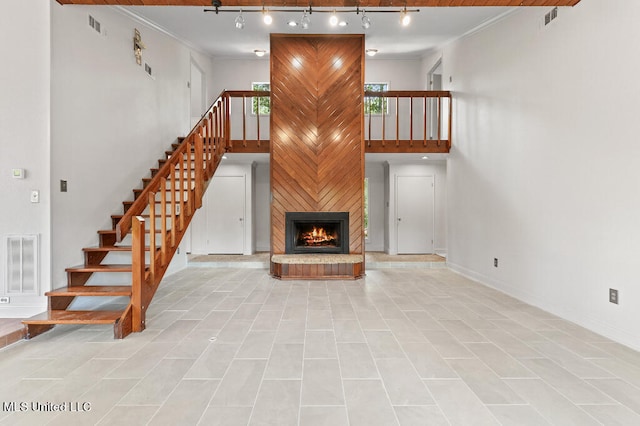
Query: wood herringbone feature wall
(317, 146)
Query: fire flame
(317, 236)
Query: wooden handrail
(408, 94)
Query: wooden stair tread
(110, 248)
(113, 231)
(100, 268)
(92, 290)
(75, 317)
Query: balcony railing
(411, 121)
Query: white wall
(400, 75)
(24, 138)
(199, 228)
(543, 173)
(435, 168)
(263, 207)
(110, 120)
(374, 171)
(238, 74)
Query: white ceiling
(216, 34)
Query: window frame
(383, 87)
(254, 99)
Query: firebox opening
(318, 235)
(317, 232)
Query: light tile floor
(399, 347)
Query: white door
(225, 215)
(414, 214)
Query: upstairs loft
(398, 121)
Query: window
(366, 208)
(264, 102)
(375, 105)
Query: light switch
(35, 196)
(17, 173)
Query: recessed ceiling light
(292, 23)
(259, 52)
(371, 52)
(224, 157)
(425, 158)
(343, 23)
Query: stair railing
(170, 198)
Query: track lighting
(366, 22)
(240, 21)
(305, 21)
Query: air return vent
(550, 16)
(93, 23)
(22, 264)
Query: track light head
(366, 21)
(333, 20)
(405, 19)
(266, 18)
(305, 22)
(240, 22)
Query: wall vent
(93, 23)
(22, 264)
(550, 16)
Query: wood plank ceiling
(329, 3)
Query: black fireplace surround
(317, 232)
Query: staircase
(143, 240)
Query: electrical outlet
(613, 296)
(35, 196)
(495, 262)
(5, 300)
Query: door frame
(432, 114)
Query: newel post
(138, 274)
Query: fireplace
(317, 232)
